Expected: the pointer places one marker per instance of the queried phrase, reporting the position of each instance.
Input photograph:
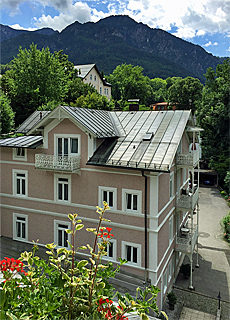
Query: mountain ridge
(115, 40)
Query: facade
(90, 74)
(71, 159)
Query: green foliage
(213, 115)
(77, 88)
(227, 182)
(6, 114)
(129, 83)
(93, 101)
(35, 78)
(172, 297)
(185, 93)
(64, 288)
(225, 223)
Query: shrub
(64, 288)
(225, 223)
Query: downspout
(146, 226)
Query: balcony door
(67, 146)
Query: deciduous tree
(6, 115)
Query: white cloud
(80, 12)
(18, 27)
(208, 44)
(189, 18)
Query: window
(61, 237)
(184, 175)
(20, 226)
(107, 91)
(132, 253)
(20, 154)
(171, 185)
(170, 271)
(62, 188)
(131, 200)
(95, 78)
(91, 77)
(104, 91)
(165, 281)
(20, 183)
(100, 90)
(109, 195)
(170, 229)
(111, 250)
(67, 145)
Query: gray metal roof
(150, 142)
(31, 142)
(31, 121)
(84, 69)
(97, 122)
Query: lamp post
(219, 297)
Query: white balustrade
(187, 201)
(58, 163)
(190, 159)
(186, 243)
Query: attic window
(148, 136)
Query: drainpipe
(146, 226)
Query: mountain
(113, 41)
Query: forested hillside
(116, 40)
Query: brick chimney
(133, 104)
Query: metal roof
(99, 123)
(133, 150)
(84, 69)
(31, 142)
(31, 121)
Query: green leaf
(144, 316)
(79, 226)
(82, 263)
(70, 216)
(68, 231)
(82, 248)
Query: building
(90, 74)
(70, 159)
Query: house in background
(90, 74)
(71, 159)
(160, 106)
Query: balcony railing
(189, 160)
(57, 163)
(186, 242)
(187, 201)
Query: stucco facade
(35, 202)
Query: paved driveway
(213, 275)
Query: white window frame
(124, 245)
(24, 216)
(15, 172)
(56, 228)
(165, 281)
(20, 157)
(170, 229)
(56, 182)
(101, 189)
(170, 271)
(69, 137)
(114, 256)
(138, 193)
(171, 185)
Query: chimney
(133, 104)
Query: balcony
(57, 163)
(187, 201)
(186, 241)
(188, 160)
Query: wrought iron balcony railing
(57, 163)
(185, 242)
(188, 160)
(187, 201)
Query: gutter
(146, 226)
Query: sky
(202, 22)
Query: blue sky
(202, 22)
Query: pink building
(71, 159)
